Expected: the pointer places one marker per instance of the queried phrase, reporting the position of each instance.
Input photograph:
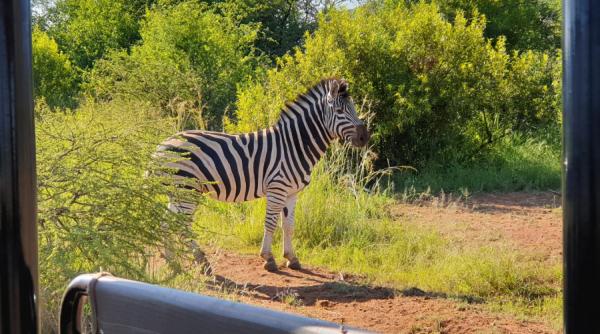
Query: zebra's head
(340, 115)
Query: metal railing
(124, 306)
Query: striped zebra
(275, 163)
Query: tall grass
(515, 164)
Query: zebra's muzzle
(362, 136)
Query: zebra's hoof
(293, 264)
(201, 261)
(200, 257)
(270, 265)
(206, 269)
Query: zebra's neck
(304, 135)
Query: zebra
(275, 162)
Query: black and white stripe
(275, 163)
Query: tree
(282, 22)
(86, 29)
(526, 24)
(438, 90)
(55, 78)
(189, 58)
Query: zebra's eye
(339, 110)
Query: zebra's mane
(324, 83)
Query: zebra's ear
(338, 88)
(343, 90)
(333, 90)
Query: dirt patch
(342, 299)
(531, 222)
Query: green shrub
(189, 58)
(97, 211)
(55, 79)
(437, 89)
(526, 24)
(87, 29)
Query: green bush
(437, 89)
(55, 79)
(87, 29)
(97, 211)
(189, 58)
(526, 24)
(282, 22)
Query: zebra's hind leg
(198, 255)
(288, 232)
(275, 202)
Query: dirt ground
(531, 221)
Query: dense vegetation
(465, 92)
(441, 84)
(438, 91)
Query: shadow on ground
(337, 291)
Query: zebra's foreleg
(288, 232)
(275, 203)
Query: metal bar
(581, 165)
(18, 235)
(124, 306)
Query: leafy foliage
(438, 89)
(97, 211)
(189, 58)
(55, 78)
(282, 22)
(87, 29)
(526, 24)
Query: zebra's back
(231, 168)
